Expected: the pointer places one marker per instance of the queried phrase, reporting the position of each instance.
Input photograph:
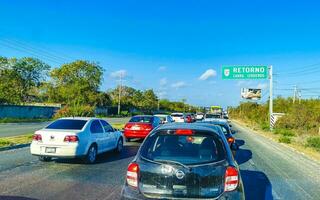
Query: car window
(68, 124)
(176, 115)
(186, 149)
(107, 127)
(96, 127)
(212, 116)
(142, 119)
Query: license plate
(50, 150)
(135, 128)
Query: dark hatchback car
(225, 128)
(184, 161)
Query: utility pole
(294, 93)
(120, 88)
(271, 96)
(299, 95)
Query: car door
(97, 134)
(110, 135)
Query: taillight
(133, 174)
(230, 140)
(71, 138)
(231, 179)
(184, 132)
(148, 127)
(37, 137)
(127, 126)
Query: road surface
(14, 129)
(269, 171)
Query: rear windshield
(193, 149)
(212, 116)
(68, 124)
(177, 115)
(143, 119)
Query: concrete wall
(32, 112)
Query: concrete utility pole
(120, 88)
(271, 95)
(294, 93)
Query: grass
(118, 126)
(15, 140)
(284, 132)
(285, 139)
(20, 120)
(314, 142)
(27, 138)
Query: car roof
(177, 113)
(143, 116)
(214, 122)
(161, 115)
(192, 126)
(80, 118)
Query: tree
(76, 83)
(20, 78)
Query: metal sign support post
(271, 96)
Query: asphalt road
(14, 129)
(269, 171)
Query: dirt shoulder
(297, 147)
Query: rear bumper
(136, 134)
(131, 194)
(67, 151)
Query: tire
(45, 159)
(91, 155)
(119, 146)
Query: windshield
(212, 116)
(142, 119)
(185, 149)
(177, 115)
(67, 124)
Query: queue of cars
(177, 159)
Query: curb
(18, 146)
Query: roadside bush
(285, 139)
(314, 142)
(284, 132)
(75, 111)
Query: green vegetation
(76, 86)
(314, 142)
(15, 140)
(301, 120)
(285, 139)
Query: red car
(140, 126)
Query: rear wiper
(174, 162)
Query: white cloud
(262, 86)
(163, 82)
(208, 74)
(120, 73)
(179, 84)
(162, 68)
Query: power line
(30, 53)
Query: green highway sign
(244, 72)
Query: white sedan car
(178, 117)
(76, 138)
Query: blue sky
(168, 45)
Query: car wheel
(91, 155)
(45, 159)
(119, 145)
(128, 139)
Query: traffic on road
(159, 100)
